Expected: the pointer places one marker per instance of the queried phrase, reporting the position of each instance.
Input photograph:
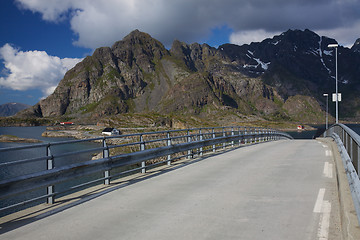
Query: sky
(42, 39)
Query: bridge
(243, 183)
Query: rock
(139, 75)
(10, 138)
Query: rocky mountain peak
(139, 43)
(356, 46)
(138, 74)
(193, 55)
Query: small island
(11, 138)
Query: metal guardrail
(348, 143)
(121, 155)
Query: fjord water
(7, 172)
(35, 133)
(309, 134)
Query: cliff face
(275, 79)
(101, 82)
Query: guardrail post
(189, 140)
(50, 165)
(354, 154)
(251, 135)
(200, 139)
(273, 135)
(142, 148)
(259, 134)
(267, 135)
(351, 149)
(213, 136)
(345, 141)
(239, 134)
(106, 155)
(245, 136)
(256, 132)
(232, 134)
(168, 144)
(357, 161)
(224, 135)
(264, 135)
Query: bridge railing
(119, 156)
(348, 143)
(350, 140)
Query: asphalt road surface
(276, 190)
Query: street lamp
(336, 79)
(327, 104)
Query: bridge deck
(275, 190)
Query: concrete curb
(350, 228)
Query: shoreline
(92, 131)
(15, 139)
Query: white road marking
(328, 153)
(323, 230)
(328, 170)
(319, 201)
(324, 208)
(324, 146)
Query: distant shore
(11, 138)
(307, 128)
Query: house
(66, 123)
(110, 131)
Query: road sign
(334, 97)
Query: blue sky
(41, 39)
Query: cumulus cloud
(51, 10)
(344, 35)
(246, 37)
(102, 22)
(33, 69)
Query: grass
(89, 107)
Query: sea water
(8, 172)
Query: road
(276, 190)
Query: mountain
(356, 46)
(282, 78)
(9, 109)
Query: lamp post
(336, 79)
(327, 104)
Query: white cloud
(102, 22)
(33, 69)
(52, 10)
(246, 37)
(343, 35)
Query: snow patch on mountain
(321, 56)
(263, 65)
